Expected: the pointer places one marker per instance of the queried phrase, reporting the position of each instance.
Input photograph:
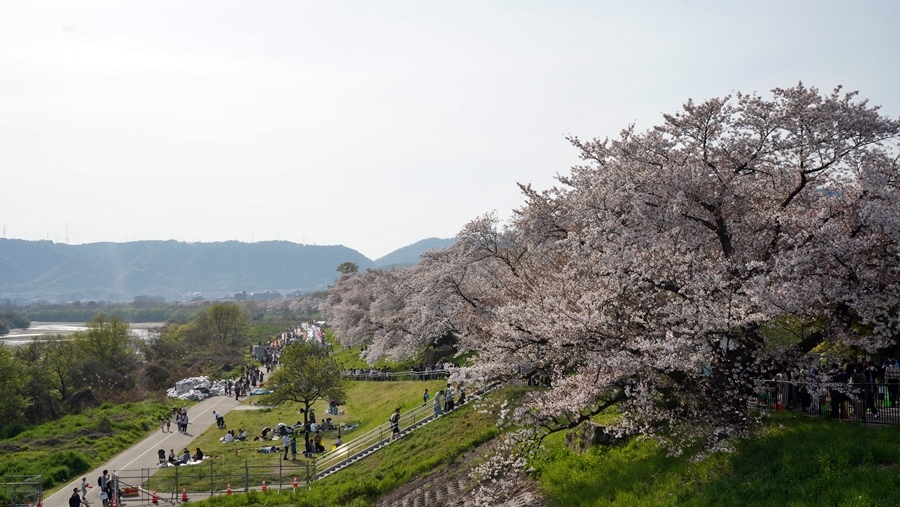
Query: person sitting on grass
(317, 441)
(185, 457)
(198, 456)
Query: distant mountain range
(173, 270)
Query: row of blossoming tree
(669, 274)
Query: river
(38, 329)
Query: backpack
(100, 481)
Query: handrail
(382, 433)
(377, 435)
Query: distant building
(263, 296)
(241, 296)
(148, 300)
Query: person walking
(425, 398)
(395, 424)
(448, 398)
(286, 443)
(75, 499)
(438, 402)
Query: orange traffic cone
(154, 498)
(228, 489)
(295, 483)
(264, 488)
(184, 497)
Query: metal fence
(868, 403)
(21, 490)
(400, 375)
(215, 476)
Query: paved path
(144, 453)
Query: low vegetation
(63, 449)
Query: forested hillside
(174, 270)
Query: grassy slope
(64, 449)
(796, 461)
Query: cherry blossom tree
(656, 277)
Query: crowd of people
(433, 371)
(849, 390)
(311, 432)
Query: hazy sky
(371, 124)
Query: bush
(12, 429)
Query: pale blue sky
(371, 124)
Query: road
(144, 453)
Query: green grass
(794, 461)
(64, 449)
(348, 358)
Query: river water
(39, 329)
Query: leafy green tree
(219, 324)
(307, 374)
(11, 320)
(13, 378)
(347, 268)
(108, 341)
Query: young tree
(108, 341)
(226, 323)
(305, 375)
